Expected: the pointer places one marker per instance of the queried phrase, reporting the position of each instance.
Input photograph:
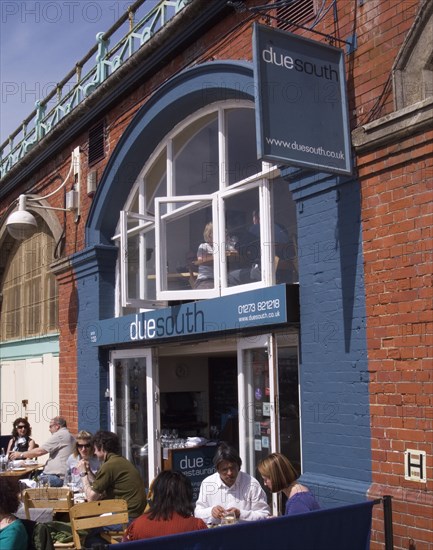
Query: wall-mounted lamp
(21, 224)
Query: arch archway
(179, 97)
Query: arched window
(29, 289)
(205, 217)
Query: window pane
(204, 261)
(185, 243)
(141, 252)
(257, 397)
(243, 234)
(156, 182)
(148, 253)
(131, 408)
(29, 306)
(242, 146)
(133, 266)
(285, 233)
(289, 405)
(196, 167)
(52, 314)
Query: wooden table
(20, 473)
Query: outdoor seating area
(76, 520)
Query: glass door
(257, 398)
(134, 408)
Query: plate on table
(19, 469)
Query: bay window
(205, 217)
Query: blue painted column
(94, 270)
(335, 418)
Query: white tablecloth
(41, 515)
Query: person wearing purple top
(279, 475)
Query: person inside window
(21, 440)
(249, 248)
(205, 258)
(13, 534)
(83, 455)
(230, 491)
(279, 475)
(170, 509)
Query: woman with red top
(170, 510)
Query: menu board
(195, 463)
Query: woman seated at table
(205, 256)
(21, 440)
(13, 534)
(170, 509)
(279, 475)
(83, 454)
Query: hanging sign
(301, 116)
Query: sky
(40, 42)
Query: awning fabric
(337, 528)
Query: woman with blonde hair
(279, 475)
(205, 257)
(83, 454)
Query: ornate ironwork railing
(76, 87)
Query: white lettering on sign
(140, 329)
(287, 62)
(195, 462)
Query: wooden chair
(100, 513)
(59, 499)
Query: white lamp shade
(21, 224)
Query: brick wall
(397, 218)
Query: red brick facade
(397, 213)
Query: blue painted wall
(333, 356)
(94, 270)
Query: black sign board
(302, 116)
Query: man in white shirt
(230, 491)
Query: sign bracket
(241, 7)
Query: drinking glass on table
(68, 481)
(229, 518)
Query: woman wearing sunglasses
(83, 454)
(21, 440)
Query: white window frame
(261, 180)
(146, 224)
(192, 204)
(153, 405)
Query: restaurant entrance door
(243, 390)
(134, 408)
(268, 390)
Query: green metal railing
(75, 87)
